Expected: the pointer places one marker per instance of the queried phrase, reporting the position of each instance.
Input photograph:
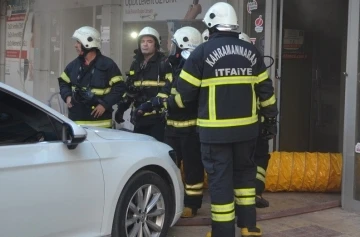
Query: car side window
(22, 123)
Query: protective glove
(269, 128)
(119, 114)
(146, 107)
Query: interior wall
(312, 98)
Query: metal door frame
(350, 114)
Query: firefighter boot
(189, 212)
(261, 202)
(251, 232)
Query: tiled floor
(329, 223)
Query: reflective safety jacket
(180, 120)
(102, 78)
(149, 79)
(227, 76)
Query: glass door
(261, 21)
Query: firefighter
(148, 74)
(92, 83)
(225, 76)
(180, 131)
(262, 155)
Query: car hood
(113, 134)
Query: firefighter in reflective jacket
(92, 83)
(180, 131)
(226, 76)
(148, 74)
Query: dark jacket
(145, 82)
(225, 77)
(100, 82)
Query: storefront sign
(259, 22)
(293, 44)
(162, 10)
(19, 46)
(252, 6)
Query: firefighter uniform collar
(220, 34)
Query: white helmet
(205, 35)
(148, 31)
(223, 16)
(187, 39)
(244, 37)
(88, 36)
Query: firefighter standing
(180, 131)
(92, 83)
(148, 74)
(227, 76)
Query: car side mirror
(71, 136)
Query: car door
(46, 189)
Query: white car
(61, 179)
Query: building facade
(311, 48)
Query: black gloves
(268, 128)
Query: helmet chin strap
(84, 50)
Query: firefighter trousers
(261, 158)
(156, 130)
(188, 150)
(231, 174)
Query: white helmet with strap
(187, 39)
(244, 37)
(222, 16)
(88, 36)
(149, 31)
(205, 35)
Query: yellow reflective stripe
(245, 201)
(96, 91)
(101, 91)
(100, 123)
(149, 83)
(189, 78)
(223, 217)
(227, 122)
(244, 192)
(162, 95)
(169, 76)
(261, 171)
(174, 91)
(178, 101)
(151, 113)
(228, 80)
(262, 77)
(65, 77)
(260, 177)
(254, 101)
(194, 186)
(115, 80)
(268, 102)
(132, 73)
(194, 192)
(181, 124)
(222, 208)
(212, 103)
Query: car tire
(131, 215)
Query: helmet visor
(173, 47)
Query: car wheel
(143, 209)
